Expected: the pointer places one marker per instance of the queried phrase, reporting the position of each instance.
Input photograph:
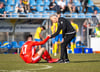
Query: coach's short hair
(53, 16)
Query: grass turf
(78, 63)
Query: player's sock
(46, 55)
(55, 49)
(72, 47)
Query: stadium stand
(21, 43)
(14, 44)
(42, 6)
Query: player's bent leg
(41, 51)
(37, 57)
(48, 58)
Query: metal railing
(44, 16)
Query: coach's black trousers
(67, 39)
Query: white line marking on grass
(42, 68)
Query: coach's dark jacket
(66, 27)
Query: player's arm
(41, 42)
(77, 29)
(41, 36)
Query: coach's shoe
(52, 60)
(66, 61)
(60, 61)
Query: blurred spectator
(20, 7)
(62, 5)
(86, 24)
(97, 30)
(53, 6)
(95, 17)
(84, 5)
(26, 6)
(71, 6)
(2, 9)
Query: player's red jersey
(28, 50)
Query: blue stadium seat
(21, 44)
(14, 44)
(90, 3)
(97, 8)
(37, 15)
(14, 15)
(17, 1)
(81, 15)
(39, 2)
(46, 7)
(77, 3)
(32, 3)
(39, 8)
(9, 9)
(74, 15)
(90, 10)
(45, 15)
(88, 15)
(2, 1)
(5, 43)
(79, 44)
(0, 43)
(10, 2)
(46, 2)
(29, 15)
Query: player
(29, 54)
(38, 36)
(75, 26)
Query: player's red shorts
(36, 58)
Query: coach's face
(54, 19)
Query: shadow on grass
(85, 61)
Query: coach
(68, 35)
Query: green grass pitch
(78, 63)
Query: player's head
(54, 18)
(29, 37)
(53, 0)
(43, 28)
(58, 14)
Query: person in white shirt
(62, 5)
